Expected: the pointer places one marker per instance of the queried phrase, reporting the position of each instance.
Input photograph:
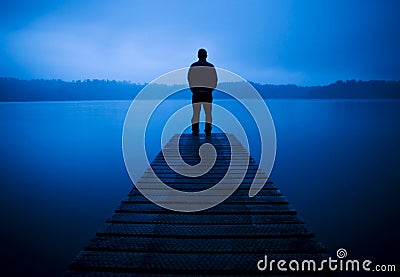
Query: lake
(62, 174)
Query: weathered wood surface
(229, 239)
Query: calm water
(62, 174)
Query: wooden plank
(195, 182)
(142, 238)
(237, 193)
(150, 186)
(231, 200)
(207, 231)
(234, 178)
(219, 209)
(196, 263)
(198, 219)
(217, 171)
(206, 245)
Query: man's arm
(190, 79)
(214, 81)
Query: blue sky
(279, 42)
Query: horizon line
(146, 83)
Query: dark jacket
(202, 77)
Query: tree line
(12, 89)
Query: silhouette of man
(203, 80)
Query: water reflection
(62, 173)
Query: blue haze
(62, 174)
(61, 167)
(312, 42)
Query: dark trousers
(204, 101)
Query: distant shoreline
(16, 90)
(271, 99)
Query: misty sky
(279, 42)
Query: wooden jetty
(142, 238)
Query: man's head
(202, 54)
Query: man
(203, 80)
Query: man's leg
(196, 118)
(208, 110)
